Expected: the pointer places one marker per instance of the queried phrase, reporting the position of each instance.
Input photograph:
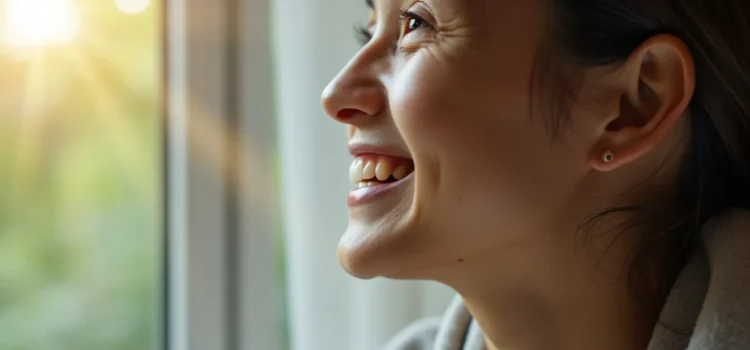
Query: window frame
(220, 287)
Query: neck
(522, 320)
(577, 301)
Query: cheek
(465, 98)
(479, 155)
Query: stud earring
(608, 157)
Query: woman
(578, 171)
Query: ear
(655, 86)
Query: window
(168, 180)
(80, 175)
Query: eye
(362, 34)
(412, 22)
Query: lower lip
(366, 194)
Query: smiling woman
(579, 169)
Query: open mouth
(375, 170)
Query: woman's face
(450, 162)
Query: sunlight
(40, 22)
(112, 114)
(132, 6)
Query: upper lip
(360, 149)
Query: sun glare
(132, 6)
(40, 22)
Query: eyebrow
(370, 4)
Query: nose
(356, 94)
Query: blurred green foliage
(80, 187)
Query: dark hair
(715, 172)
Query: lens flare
(132, 6)
(40, 22)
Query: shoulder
(455, 330)
(420, 335)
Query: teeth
(364, 184)
(369, 172)
(355, 171)
(400, 172)
(383, 170)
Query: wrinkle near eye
(456, 18)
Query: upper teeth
(381, 168)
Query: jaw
(374, 233)
(405, 234)
(400, 246)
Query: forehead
(448, 5)
(491, 11)
(408, 3)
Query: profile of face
(454, 161)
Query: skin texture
(494, 206)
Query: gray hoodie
(708, 307)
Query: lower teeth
(367, 184)
(375, 182)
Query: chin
(395, 253)
(363, 252)
(363, 266)
(356, 264)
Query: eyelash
(407, 16)
(364, 36)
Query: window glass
(80, 175)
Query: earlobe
(656, 83)
(604, 162)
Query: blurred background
(169, 181)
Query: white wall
(312, 40)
